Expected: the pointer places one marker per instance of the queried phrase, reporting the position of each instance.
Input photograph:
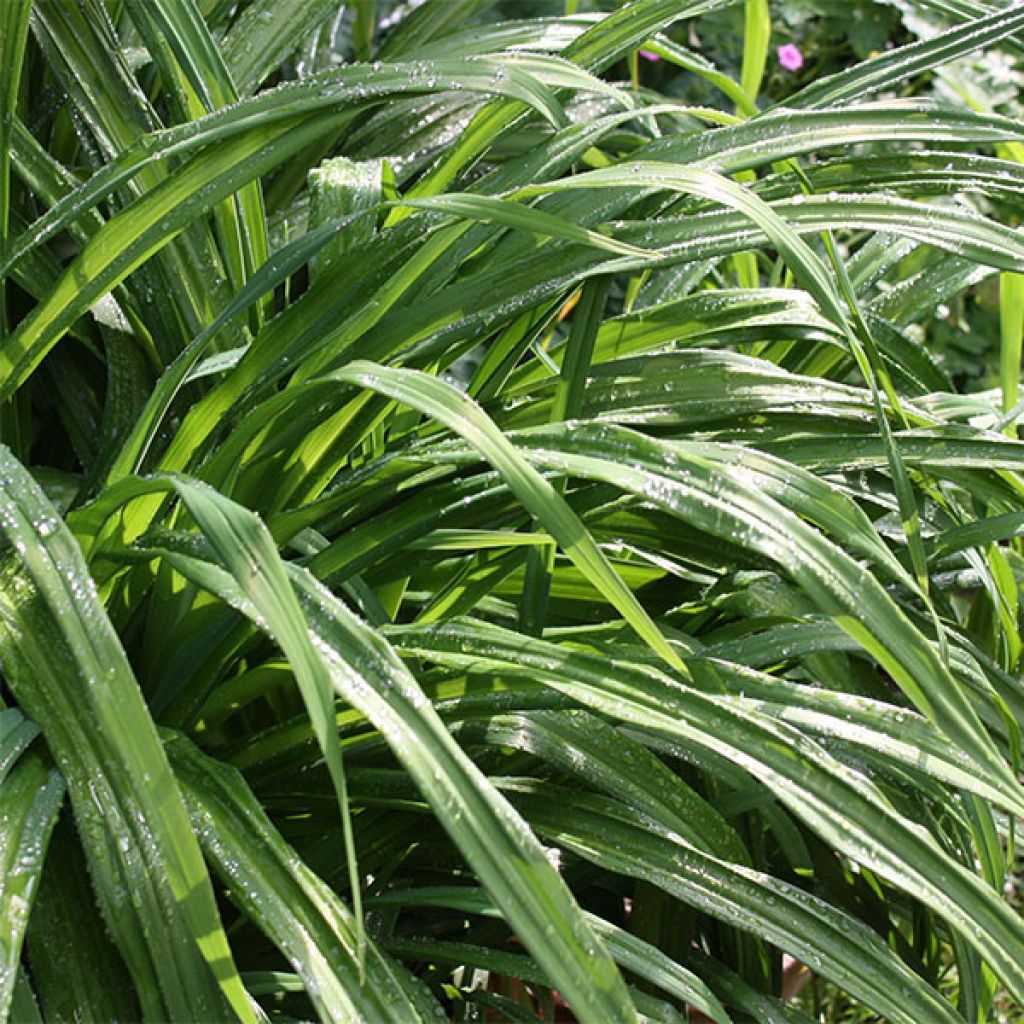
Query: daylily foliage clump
(509, 514)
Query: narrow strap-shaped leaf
(513, 965)
(866, 354)
(181, 46)
(129, 239)
(597, 829)
(68, 670)
(566, 404)
(428, 23)
(599, 46)
(266, 33)
(801, 774)
(495, 841)
(16, 733)
(882, 731)
(804, 263)
(492, 208)
(614, 36)
(460, 413)
(14, 21)
(246, 549)
(630, 952)
(82, 48)
(888, 69)
(363, 25)
(339, 188)
(734, 991)
(77, 973)
(826, 938)
(30, 798)
(352, 87)
(286, 261)
(855, 599)
(584, 746)
(346, 979)
(757, 30)
(776, 134)
(181, 25)
(1011, 328)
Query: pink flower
(647, 55)
(790, 57)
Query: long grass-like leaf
(66, 665)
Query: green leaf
(1011, 323)
(76, 971)
(842, 804)
(69, 672)
(757, 30)
(30, 798)
(506, 857)
(460, 413)
(630, 952)
(13, 36)
(346, 977)
(887, 69)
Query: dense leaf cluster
(501, 516)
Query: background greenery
(498, 526)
